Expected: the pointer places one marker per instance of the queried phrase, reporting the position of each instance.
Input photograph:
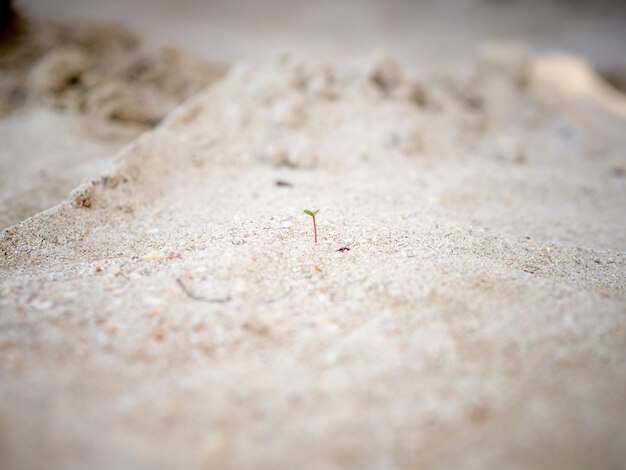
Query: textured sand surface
(71, 96)
(176, 313)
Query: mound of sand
(75, 94)
(176, 313)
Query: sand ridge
(72, 94)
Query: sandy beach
(163, 303)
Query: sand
(464, 307)
(72, 94)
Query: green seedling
(313, 214)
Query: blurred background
(121, 65)
(434, 31)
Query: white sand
(71, 96)
(175, 312)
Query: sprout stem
(313, 214)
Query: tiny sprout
(313, 214)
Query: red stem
(315, 229)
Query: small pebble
(110, 327)
(154, 256)
(41, 304)
(159, 335)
